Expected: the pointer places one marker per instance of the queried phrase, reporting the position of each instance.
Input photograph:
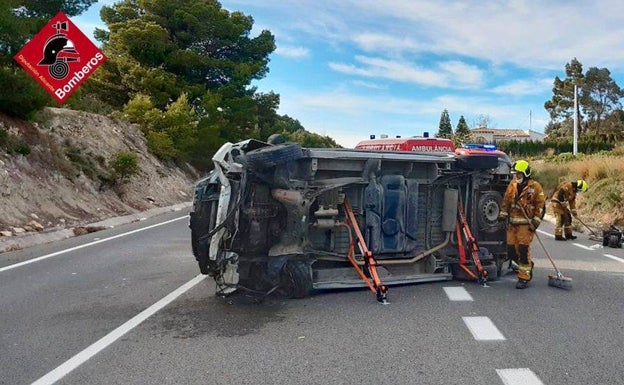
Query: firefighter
(563, 203)
(522, 207)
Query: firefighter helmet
(521, 166)
(581, 185)
(54, 46)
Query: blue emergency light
(476, 146)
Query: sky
(351, 68)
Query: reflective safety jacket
(565, 192)
(531, 198)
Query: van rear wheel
(296, 279)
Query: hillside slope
(65, 179)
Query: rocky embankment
(62, 183)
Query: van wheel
(296, 279)
(267, 157)
(488, 209)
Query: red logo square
(60, 57)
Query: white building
(495, 135)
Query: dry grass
(603, 204)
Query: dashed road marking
(614, 257)
(545, 233)
(520, 376)
(483, 329)
(86, 245)
(80, 358)
(457, 293)
(583, 246)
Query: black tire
(267, 157)
(296, 279)
(488, 208)
(476, 162)
(202, 221)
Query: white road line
(483, 329)
(86, 245)
(521, 376)
(545, 233)
(614, 257)
(80, 358)
(583, 246)
(457, 293)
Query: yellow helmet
(581, 185)
(523, 167)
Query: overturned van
(279, 217)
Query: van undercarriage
(291, 219)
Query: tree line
(599, 113)
(190, 89)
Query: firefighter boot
(522, 284)
(570, 236)
(559, 238)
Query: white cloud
(524, 87)
(375, 86)
(453, 74)
(378, 42)
(292, 52)
(463, 73)
(528, 33)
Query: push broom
(557, 280)
(593, 236)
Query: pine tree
(561, 105)
(462, 133)
(445, 129)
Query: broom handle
(547, 253)
(583, 223)
(539, 239)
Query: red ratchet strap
(374, 283)
(464, 230)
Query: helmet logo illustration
(58, 51)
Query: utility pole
(575, 143)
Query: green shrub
(21, 96)
(124, 165)
(161, 145)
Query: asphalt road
(55, 308)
